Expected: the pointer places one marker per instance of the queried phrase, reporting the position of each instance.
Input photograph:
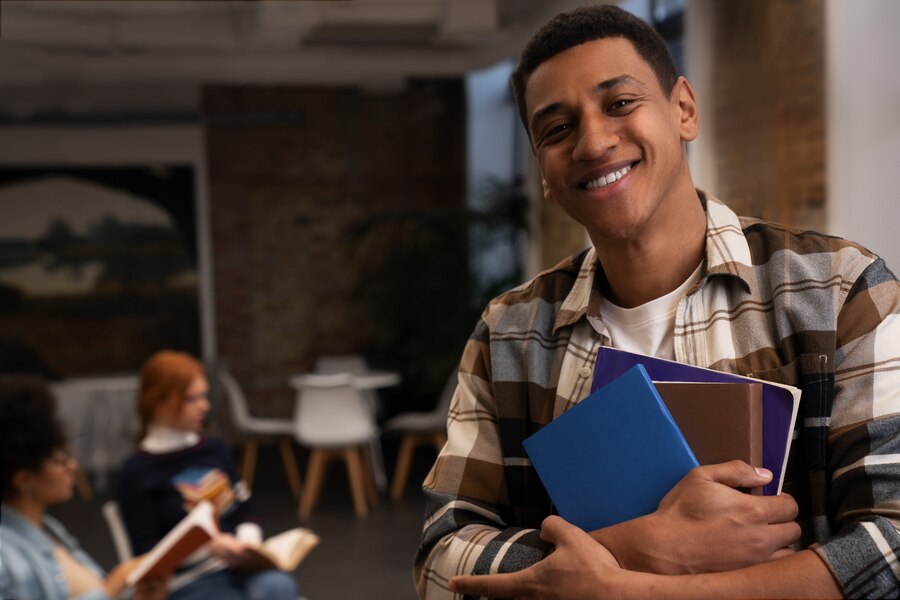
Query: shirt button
(585, 371)
(60, 578)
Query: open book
(284, 551)
(192, 532)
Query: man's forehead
(606, 57)
(597, 65)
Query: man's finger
(784, 534)
(736, 474)
(501, 585)
(553, 528)
(780, 509)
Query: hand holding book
(199, 528)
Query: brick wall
(768, 90)
(290, 170)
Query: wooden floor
(357, 558)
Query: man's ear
(688, 114)
(546, 188)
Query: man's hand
(228, 548)
(704, 525)
(575, 569)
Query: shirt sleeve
(469, 527)
(864, 440)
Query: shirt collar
(15, 522)
(727, 253)
(160, 440)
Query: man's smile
(607, 176)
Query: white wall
(863, 108)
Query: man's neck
(643, 269)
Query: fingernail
(763, 472)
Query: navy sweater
(157, 490)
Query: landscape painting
(98, 267)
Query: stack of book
(648, 421)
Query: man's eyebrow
(601, 87)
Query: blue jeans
(231, 585)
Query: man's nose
(596, 136)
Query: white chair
(355, 364)
(332, 419)
(252, 428)
(116, 526)
(419, 428)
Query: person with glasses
(39, 558)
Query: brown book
(192, 532)
(720, 421)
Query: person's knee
(272, 585)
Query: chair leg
(248, 461)
(355, 474)
(83, 484)
(369, 475)
(314, 478)
(401, 472)
(290, 465)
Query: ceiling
(147, 60)
(372, 42)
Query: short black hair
(587, 24)
(30, 430)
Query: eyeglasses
(62, 458)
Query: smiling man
(671, 272)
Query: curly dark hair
(587, 24)
(30, 430)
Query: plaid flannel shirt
(773, 302)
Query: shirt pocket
(813, 374)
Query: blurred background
(265, 183)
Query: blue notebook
(613, 456)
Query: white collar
(161, 439)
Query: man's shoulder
(768, 240)
(762, 233)
(551, 285)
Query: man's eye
(620, 104)
(556, 130)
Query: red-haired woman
(176, 467)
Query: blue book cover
(613, 456)
(780, 402)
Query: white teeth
(609, 178)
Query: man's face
(608, 140)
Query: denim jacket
(28, 568)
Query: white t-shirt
(649, 328)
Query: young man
(674, 273)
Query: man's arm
(864, 439)
(581, 568)
(685, 534)
(469, 525)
